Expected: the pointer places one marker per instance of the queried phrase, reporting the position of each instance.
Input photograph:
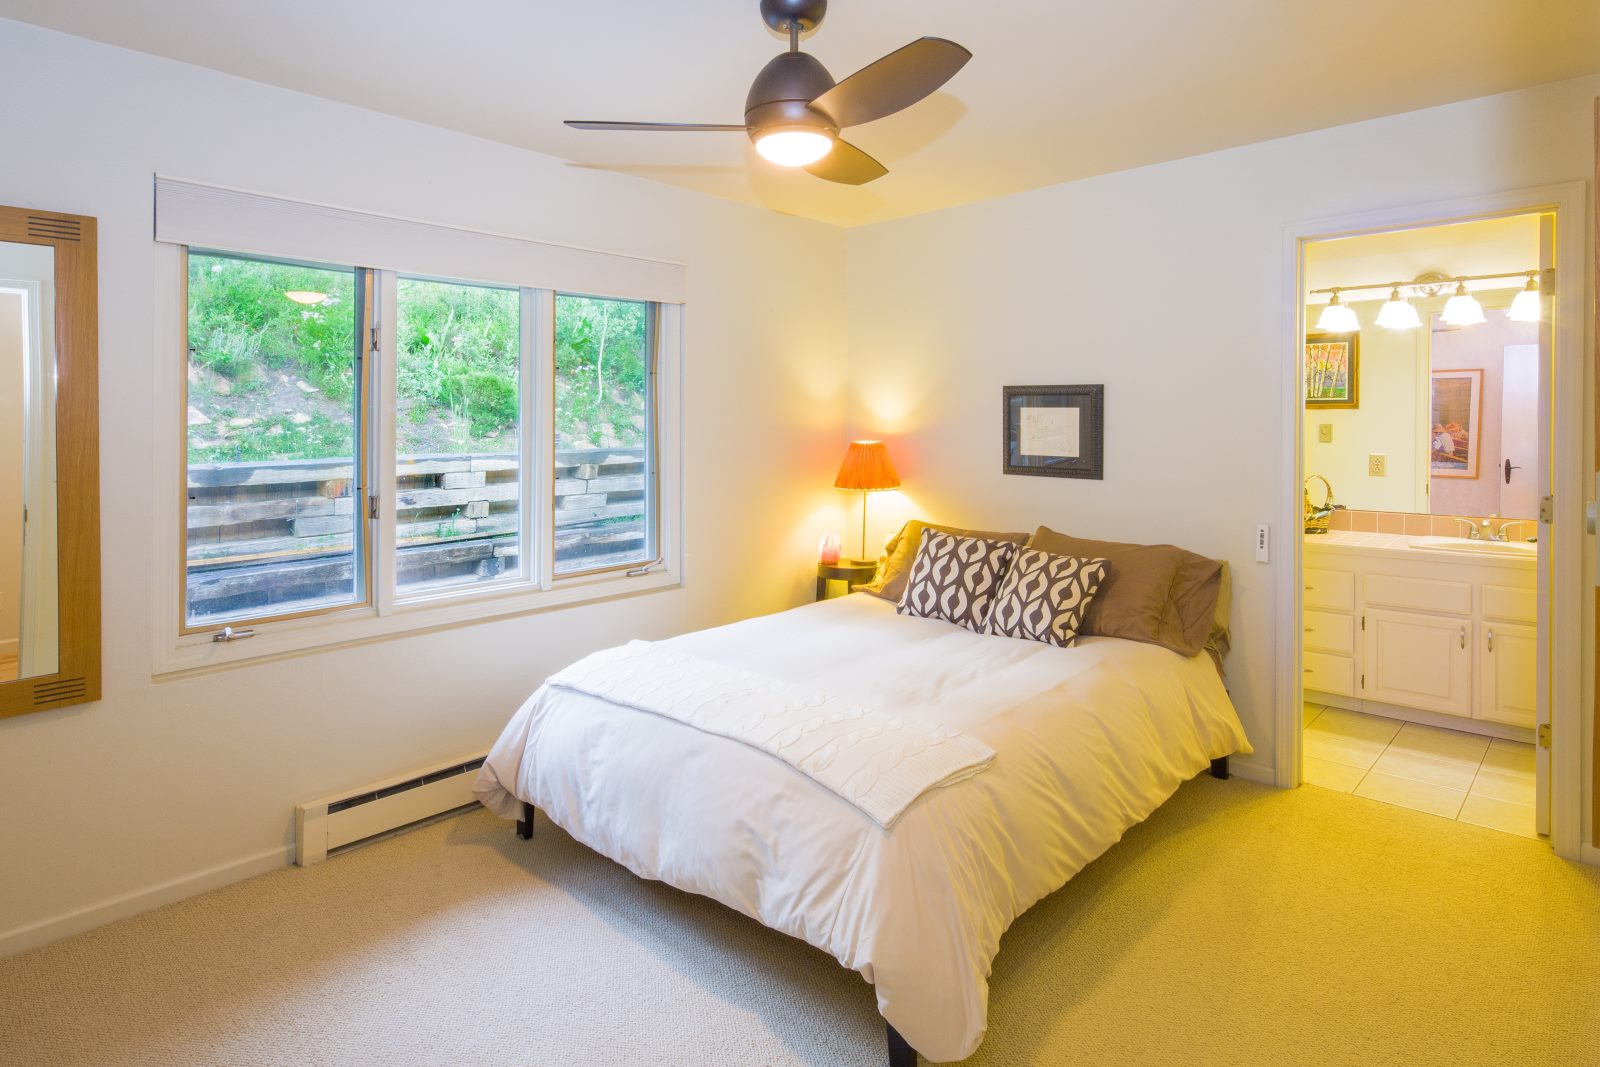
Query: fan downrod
(805, 15)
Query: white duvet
(1088, 741)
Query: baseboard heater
(334, 824)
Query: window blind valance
(206, 216)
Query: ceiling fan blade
(680, 127)
(847, 165)
(894, 82)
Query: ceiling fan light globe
(792, 147)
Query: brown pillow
(894, 566)
(1158, 594)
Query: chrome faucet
(1472, 528)
(1501, 535)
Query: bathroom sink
(1482, 548)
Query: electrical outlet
(1325, 432)
(1263, 546)
(1377, 465)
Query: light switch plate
(1325, 432)
(1377, 465)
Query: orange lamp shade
(867, 467)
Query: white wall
(162, 782)
(1391, 367)
(1167, 285)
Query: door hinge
(1363, 624)
(372, 506)
(1544, 735)
(1547, 510)
(373, 340)
(1363, 682)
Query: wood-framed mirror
(49, 462)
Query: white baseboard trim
(1250, 771)
(33, 935)
(1589, 854)
(10, 645)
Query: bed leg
(1219, 767)
(525, 824)
(900, 1053)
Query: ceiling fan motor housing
(782, 93)
(806, 14)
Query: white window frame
(391, 614)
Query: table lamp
(866, 468)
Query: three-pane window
(285, 509)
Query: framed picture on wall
(1456, 413)
(1333, 370)
(1054, 430)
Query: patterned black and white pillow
(1044, 597)
(955, 578)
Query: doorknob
(1509, 468)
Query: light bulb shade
(1527, 305)
(1338, 318)
(867, 467)
(1398, 314)
(1462, 309)
(305, 296)
(793, 146)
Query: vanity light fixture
(1525, 308)
(1397, 313)
(306, 296)
(1462, 309)
(1338, 317)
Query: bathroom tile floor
(1481, 780)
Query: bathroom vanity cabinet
(1393, 629)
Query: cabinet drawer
(1510, 603)
(1328, 674)
(1417, 594)
(1329, 590)
(1327, 631)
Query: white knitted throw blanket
(879, 763)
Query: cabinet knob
(1463, 637)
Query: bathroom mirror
(1428, 403)
(1451, 412)
(49, 462)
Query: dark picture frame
(1333, 371)
(1054, 431)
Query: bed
(1088, 741)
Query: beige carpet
(1239, 925)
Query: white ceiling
(1057, 89)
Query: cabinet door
(1419, 661)
(1509, 661)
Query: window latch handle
(228, 633)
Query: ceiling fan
(795, 109)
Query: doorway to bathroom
(1427, 417)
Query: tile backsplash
(1412, 525)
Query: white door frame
(1568, 601)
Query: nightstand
(849, 571)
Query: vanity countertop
(1437, 549)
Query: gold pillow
(1158, 594)
(894, 566)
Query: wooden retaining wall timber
(277, 535)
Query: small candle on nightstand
(828, 549)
